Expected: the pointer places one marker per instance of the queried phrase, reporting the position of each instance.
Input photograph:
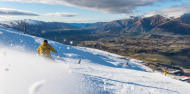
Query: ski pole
(61, 58)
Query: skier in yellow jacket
(44, 50)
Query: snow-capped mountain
(155, 24)
(13, 23)
(22, 71)
(35, 27)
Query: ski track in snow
(100, 72)
(36, 87)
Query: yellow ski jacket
(44, 49)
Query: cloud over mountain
(8, 13)
(14, 12)
(106, 6)
(58, 14)
(175, 11)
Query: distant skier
(44, 50)
(79, 61)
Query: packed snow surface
(22, 71)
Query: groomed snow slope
(24, 72)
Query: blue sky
(89, 11)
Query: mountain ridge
(36, 27)
(154, 24)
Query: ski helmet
(46, 41)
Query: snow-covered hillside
(22, 71)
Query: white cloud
(11, 13)
(106, 6)
(7, 16)
(175, 11)
(14, 12)
(61, 14)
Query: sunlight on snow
(34, 75)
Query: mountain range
(88, 25)
(36, 27)
(154, 24)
